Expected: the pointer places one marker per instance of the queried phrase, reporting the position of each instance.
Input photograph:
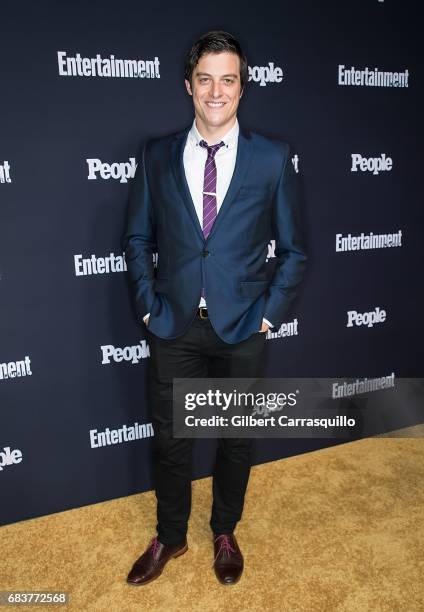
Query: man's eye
(228, 81)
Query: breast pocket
(254, 191)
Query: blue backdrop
(73, 358)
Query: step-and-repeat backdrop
(82, 86)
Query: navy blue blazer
(262, 202)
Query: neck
(211, 134)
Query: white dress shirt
(194, 159)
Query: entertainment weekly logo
(287, 329)
(5, 172)
(15, 369)
(271, 250)
(124, 433)
(109, 67)
(295, 162)
(371, 77)
(365, 242)
(362, 385)
(86, 266)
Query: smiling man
(208, 200)
(215, 85)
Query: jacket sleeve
(139, 240)
(289, 244)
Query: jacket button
(205, 253)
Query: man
(208, 200)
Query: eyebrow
(222, 76)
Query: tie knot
(212, 149)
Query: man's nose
(216, 90)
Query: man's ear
(188, 87)
(241, 93)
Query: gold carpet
(340, 529)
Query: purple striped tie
(209, 189)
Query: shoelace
(225, 546)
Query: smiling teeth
(215, 104)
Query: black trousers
(199, 353)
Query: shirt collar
(229, 139)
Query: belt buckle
(201, 309)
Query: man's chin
(215, 117)
(216, 120)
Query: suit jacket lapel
(244, 153)
(177, 163)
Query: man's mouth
(215, 104)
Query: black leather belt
(202, 312)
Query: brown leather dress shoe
(150, 565)
(228, 562)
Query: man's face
(216, 91)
